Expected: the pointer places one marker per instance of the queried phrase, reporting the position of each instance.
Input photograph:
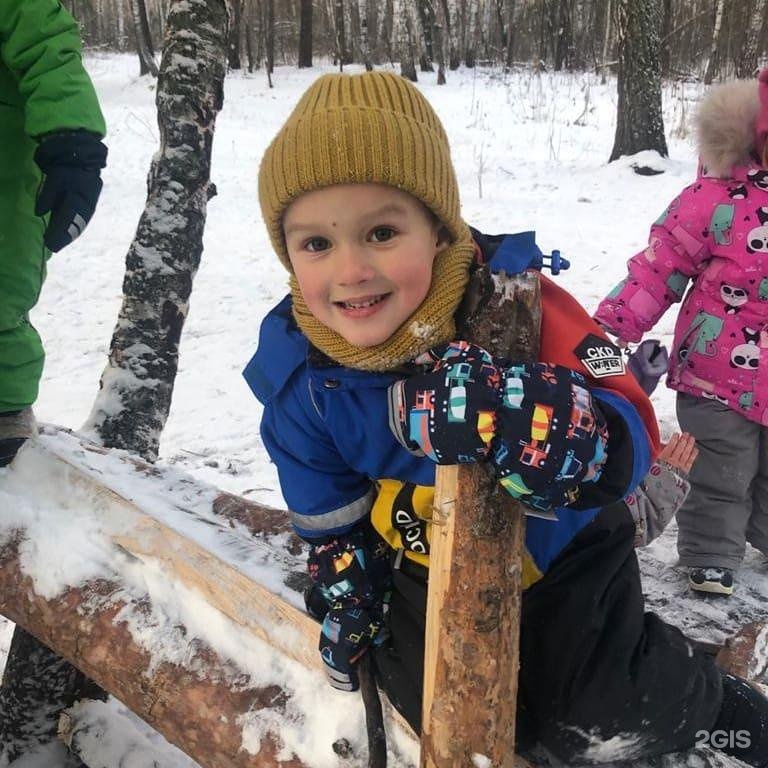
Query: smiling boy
(367, 383)
(362, 276)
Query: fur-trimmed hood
(725, 126)
(732, 124)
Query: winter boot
(716, 581)
(15, 428)
(741, 728)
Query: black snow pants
(594, 667)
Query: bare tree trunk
(305, 33)
(746, 64)
(509, 57)
(471, 27)
(137, 384)
(712, 62)
(452, 20)
(253, 51)
(402, 44)
(665, 54)
(269, 38)
(147, 64)
(120, 25)
(639, 123)
(233, 43)
(606, 41)
(564, 36)
(439, 37)
(340, 32)
(426, 13)
(365, 48)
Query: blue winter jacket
(326, 429)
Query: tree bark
(564, 36)
(198, 699)
(340, 33)
(639, 122)
(509, 57)
(471, 27)
(746, 63)
(137, 385)
(305, 33)
(365, 45)
(147, 64)
(233, 39)
(269, 38)
(714, 46)
(606, 42)
(427, 27)
(475, 587)
(452, 21)
(439, 36)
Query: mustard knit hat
(373, 127)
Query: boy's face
(362, 255)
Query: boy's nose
(353, 266)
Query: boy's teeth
(362, 304)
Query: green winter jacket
(43, 89)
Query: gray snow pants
(728, 503)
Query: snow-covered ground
(530, 151)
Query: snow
(530, 152)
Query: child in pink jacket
(714, 235)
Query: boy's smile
(362, 255)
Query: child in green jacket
(51, 155)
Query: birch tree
(746, 62)
(639, 121)
(365, 48)
(147, 64)
(136, 388)
(712, 61)
(452, 20)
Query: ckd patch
(600, 357)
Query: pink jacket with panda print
(714, 235)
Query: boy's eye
(317, 244)
(382, 234)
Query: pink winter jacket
(715, 235)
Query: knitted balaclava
(373, 127)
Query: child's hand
(352, 575)
(680, 452)
(551, 437)
(449, 412)
(346, 635)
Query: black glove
(448, 413)
(352, 573)
(550, 436)
(72, 164)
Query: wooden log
(194, 705)
(197, 704)
(473, 614)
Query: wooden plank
(473, 614)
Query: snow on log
(190, 618)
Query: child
(51, 156)
(714, 233)
(367, 382)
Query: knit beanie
(373, 127)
